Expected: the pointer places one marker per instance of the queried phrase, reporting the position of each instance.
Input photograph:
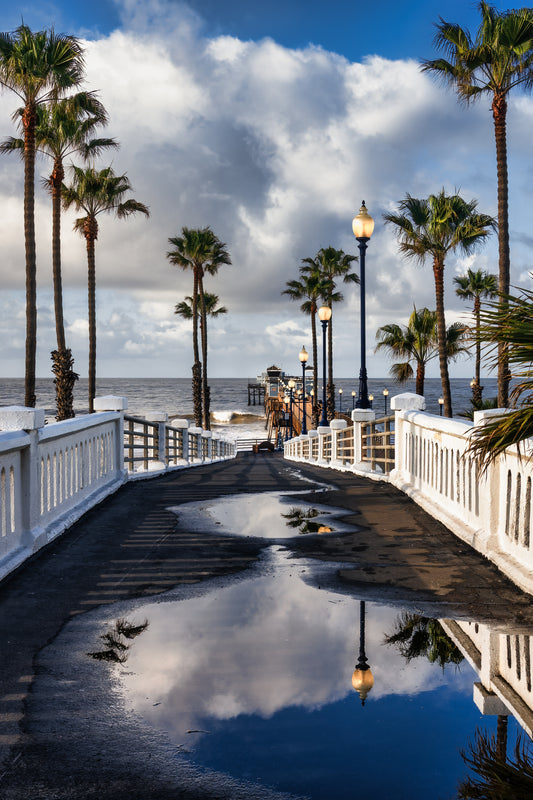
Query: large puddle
(255, 680)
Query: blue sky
(270, 122)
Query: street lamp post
(303, 356)
(370, 399)
(385, 395)
(340, 401)
(441, 403)
(363, 226)
(324, 315)
(353, 400)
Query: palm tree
(331, 264)
(212, 309)
(510, 322)
(310, 288)
(39, 68)
(434, 227)
(62, 129)
(199, 250)
(497, 60)
(418, 342)
(475, 286)
(97, 192)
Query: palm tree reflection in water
(300, 519)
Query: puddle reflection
(266, 516)
(255, 680)
(275, 681)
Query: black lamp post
(370, 399)
(340, 401)
(286, 417)
(304, 355)
(441, 403)
(353, 400)
(363, 226)
(385, 395)
(324, 315)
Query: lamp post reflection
(362, 678)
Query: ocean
(231, 414)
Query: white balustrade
(51, 474)
(490, 509)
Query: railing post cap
(338, 424)
(313, 434)
(155, 416)
(21, 418)
(323, 429)
(194, 429)
(363, 415)
(206, 434)
(110, 402)
(408, 401)
(179, 423)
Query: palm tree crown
(432, 228)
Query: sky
(270, 123)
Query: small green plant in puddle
(116, 649)
(301, 519)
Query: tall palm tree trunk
(314, 409)
(203, 334)
(499, 113)
(91, 232)
(438, 272)
(420, 378)
(62, 361)
(477, 389)
(197, 367)
(330, 389)
(28, 119)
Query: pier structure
(256, 394)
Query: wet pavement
(59, 715)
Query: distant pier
(256, 394)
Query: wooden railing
(377, 443)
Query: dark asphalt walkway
(131, 546)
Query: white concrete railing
(490, 510)
(52, 474)
(503, 661)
